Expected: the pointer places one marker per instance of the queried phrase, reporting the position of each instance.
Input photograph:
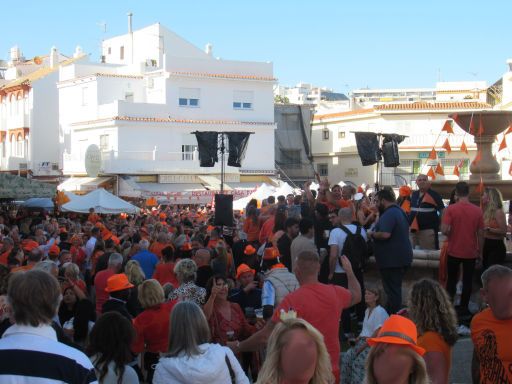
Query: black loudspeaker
(390, 154)
(224, 210)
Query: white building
(141, 105)
(29, 109)
(304, 93)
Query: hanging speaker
(224, 210)
(390, 154)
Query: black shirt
(283, 244)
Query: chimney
(54, 57)
(130, 22)
(209, 49)
(78, 52)
(15, 54)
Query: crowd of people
(167, 296)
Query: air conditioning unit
(55, 166)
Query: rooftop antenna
(103, 26)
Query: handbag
(230, 369)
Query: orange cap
(360, 189)
(28, 245)
(163, 216)
(243, 268)
(404, 191)
(398, 330)
(271, 253)
(186, 247)
(249, 250)
(54, 250)
(118, 282)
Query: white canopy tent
(102, 202)
(264, 191)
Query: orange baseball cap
(271, 253)
(118, 282)
(54, 250)
(398, 330)
(243, 268)
(249, 250)
(186, 247)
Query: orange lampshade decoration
(463, 147)
(503, 144)
(456, 171)
(448, 126)
(433, 154)
(431, 173)
(440, 170)
(447, 146)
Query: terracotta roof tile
(423, 105)
(343, 114)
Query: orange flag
(481, 186)
(431, 173)
(481, 127)
(447, 146)
(503, 144)
(509, 130)
(456, 171)
(433, 154)
(448, 126)
(439, 169)
(463, 147)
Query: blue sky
(340, 44)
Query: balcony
(142, 162)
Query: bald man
(204, 270)
(319, 304)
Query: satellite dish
(92, 160)
(38, 60)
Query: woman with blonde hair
(191, 357)
(136, 277)
(495, 222)
(432, 311)
(296, 354)
(395, 357)
(152, 325)
(186, 273)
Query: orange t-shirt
(434, 342)
(3, 257)
(493, 347)
(321, 305)
(164, 273)
(157, 247)
(93, 218)
(25, 268)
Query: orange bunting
(463, 147)
(481, 126)
(456, 171)
(431, 173)
(480, 188)
(447, 146)
(503, 144)
(439, 170)
(509, 130)
(433, 154)
(448, 126)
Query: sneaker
(462, 330)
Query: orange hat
(404, 191)
(118, 282)
(186, 247)
(75, 238)
(360, 189)
(271, 253)
(28, 245)
(163, 216)
(398, 330)
(249, 250)
(243, 268)
(54, 250)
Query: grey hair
(186, 270)
(493, 272)
(188, 329)
(46, 266)
(71, 268)
(345, 213)
(144, 244)
(115, 259)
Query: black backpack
(355, 247)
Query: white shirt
(373, 321)
(337, 237)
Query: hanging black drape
(237, 145)
(368, 147)
(207, 148)
(390, 149)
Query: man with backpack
(350, 240)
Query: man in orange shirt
(491, 329)
(33, 257)
(93, 216)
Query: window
(104, 143)
(187, 152)
(325, 134)
(341, 134)
(128, 96)
(189, 97)
(121, 52)
(323, 169)
(85, 96)
(243, 99)
(20, 143)
(290, 158)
